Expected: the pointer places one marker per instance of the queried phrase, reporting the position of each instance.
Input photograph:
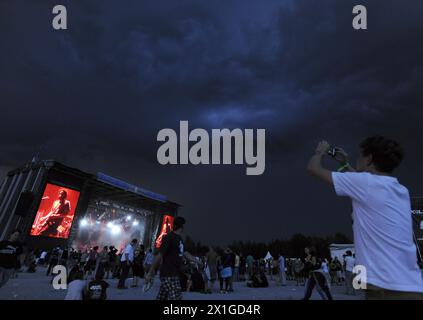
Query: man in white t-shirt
(126, 262)
(382, 222)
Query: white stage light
(84, 222)
(135, 223)
(116, 229)
(110, 224)
(128, 218)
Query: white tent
(338, 250)
(268, 256)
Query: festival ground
(30, 286)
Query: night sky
(96, 95)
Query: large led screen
(56, 212)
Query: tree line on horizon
(289, 248)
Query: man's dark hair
(178, 223)
(16, 230)
(75, 274)
(386, 154)
(134, 241)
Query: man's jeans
(349, 276)
(124, 275)
(376, 293)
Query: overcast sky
(95, 96)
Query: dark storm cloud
(95, 96)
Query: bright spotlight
(84, 222)
(98, 222)
(128, 218)
(116, 230)
(110, 224)
(135, 223)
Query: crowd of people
(211, 271)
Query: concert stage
(54, 204)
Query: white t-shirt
(382, 229)
(349, 263)
(75, 289)
(130, 251)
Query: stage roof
(102, 186)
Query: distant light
(84, 222)
(98, 222)
(135, 223)
(128, 218)
(116, 229)
(110, 224)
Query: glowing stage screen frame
(166, 227)
(56, 212)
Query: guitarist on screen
(166, 228)
(49, 224)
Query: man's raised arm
(315, 164)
